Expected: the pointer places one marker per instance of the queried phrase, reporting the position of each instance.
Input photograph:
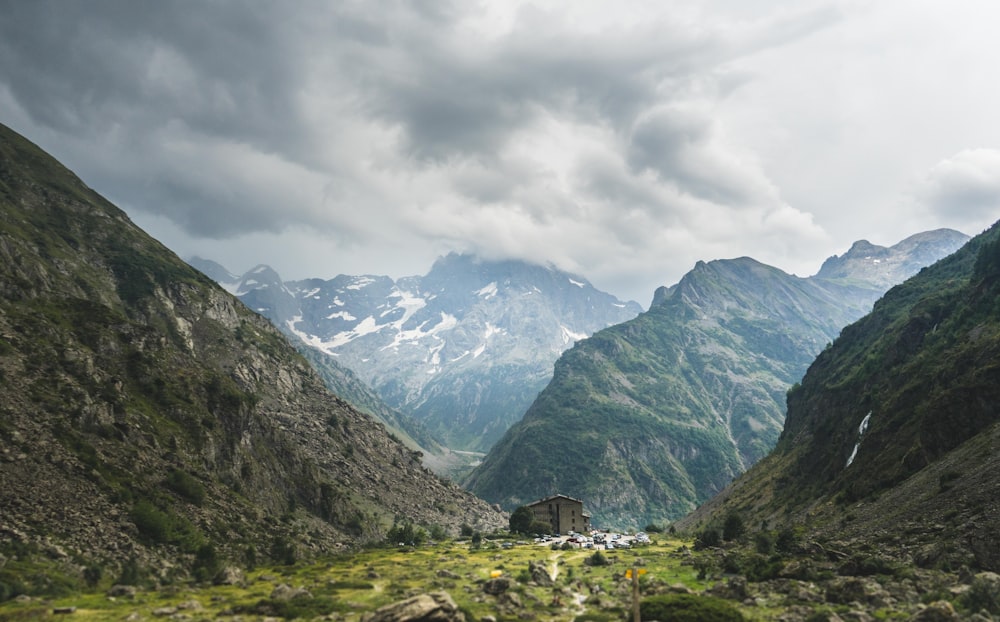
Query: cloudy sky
(622, 141)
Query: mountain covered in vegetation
(891, 438)
(651, 417)
(148, 415)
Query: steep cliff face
(648, 418)
(146, 412)
(896, 424)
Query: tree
(734, 527)
(521, 519)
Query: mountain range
(650, 417)
(462, 350)
(891, 438)
(148, 415)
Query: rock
(939, 611)
(162, 612)
(189, 605)
(497, 586)
(734, 589)
(122, 591)
(540, 574)
(846, 590)
(283, 591)
(433, 607)
(230, 575)
(63, 610)
(444, 573)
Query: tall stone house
(563, 513)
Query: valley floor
(503, 580)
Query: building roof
(553, 497)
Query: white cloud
(621, 143)
(964, 188)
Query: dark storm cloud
(406, 124)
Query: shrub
(206, 563)
(688, 608)
(153, 524)
(521, 519)
(597, 559)
(131, 573)
(764, 542)
(734, 527)
(185, 485)
(406, 534)
(92, 575)
(983, 595)
(708, 538)
(787, 540)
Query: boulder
(122, 591)
(284, 591)
(843, 591)
(497, 586)
(540, 574)
(940, 611)
(230, 575)
(433, 607)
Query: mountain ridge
(670, 406)
(462, 350)
(894, 425)
(148, 414)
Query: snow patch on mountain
(360, 282)
(329, 346)
(568, 336)
(489, 291)
(341, 315)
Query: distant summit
(886, 266)
(462, 350)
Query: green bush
(153, 524)
(520, 520)
(688, 608)
(734, 527)
(185, 485)
(709, 538)
(597, 559)
(158, 526)
(982, 596)
(764, 542)
(206, 563)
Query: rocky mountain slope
(648, 418)
(148, 414)
(463, 350)
(345, 383)
(891, 439)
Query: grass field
(346, 587)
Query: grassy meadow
(348, 586)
